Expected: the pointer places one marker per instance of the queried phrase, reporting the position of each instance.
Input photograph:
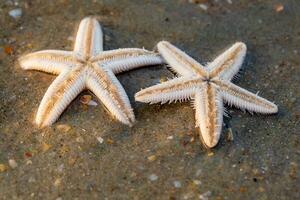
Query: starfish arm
(209, 114)
(178, 89)
(180, 61)
(108, 89)
(228, 64)
(59, 95)
(243, 99)
(89, 39)
(121, 60)
(50, 61)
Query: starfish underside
(87, 67)
(208, 87)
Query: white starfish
(208, 86)
(87, 67)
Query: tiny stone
(28, 162)
(85, 99)
(63, 127)
(163, 79)
(15, 13)
(197, 182)
(279, 8)
(45, 147)
(2, 167)
(205, 195)
(60, 168)
(100, 140)
(12, 163)
(152, 158)
(230, 135)
(107, 38)
(170, 137)
(92, 103)
(177, 184)
(153, 177)
(57, 182)
(198, 172)
(203, 6)
(210, 154)
(110, 141)
(79, 139)
(31, 179)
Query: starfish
(87, 67)
(208, 86)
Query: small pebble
(153, 177)
(15, 13)
(163, 79)
(28, 162)
(12, 163)
(79, 139)
(63, 127)
(279, 8)
(107, 38)
(60, 168)
(210, 154)
(100, 140)
(230, 135)
(188, 195)
(152, 158)
(170, 137)
(198, 172)
(197, 182)
(45, 147)
(203, 6)
(85, 99)
(2, 168)
(177, 184)
(205, 195)
(57, 182)
(8, 50)
(92, 103)
(31, 179)
(110, 141)
(28, 154)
